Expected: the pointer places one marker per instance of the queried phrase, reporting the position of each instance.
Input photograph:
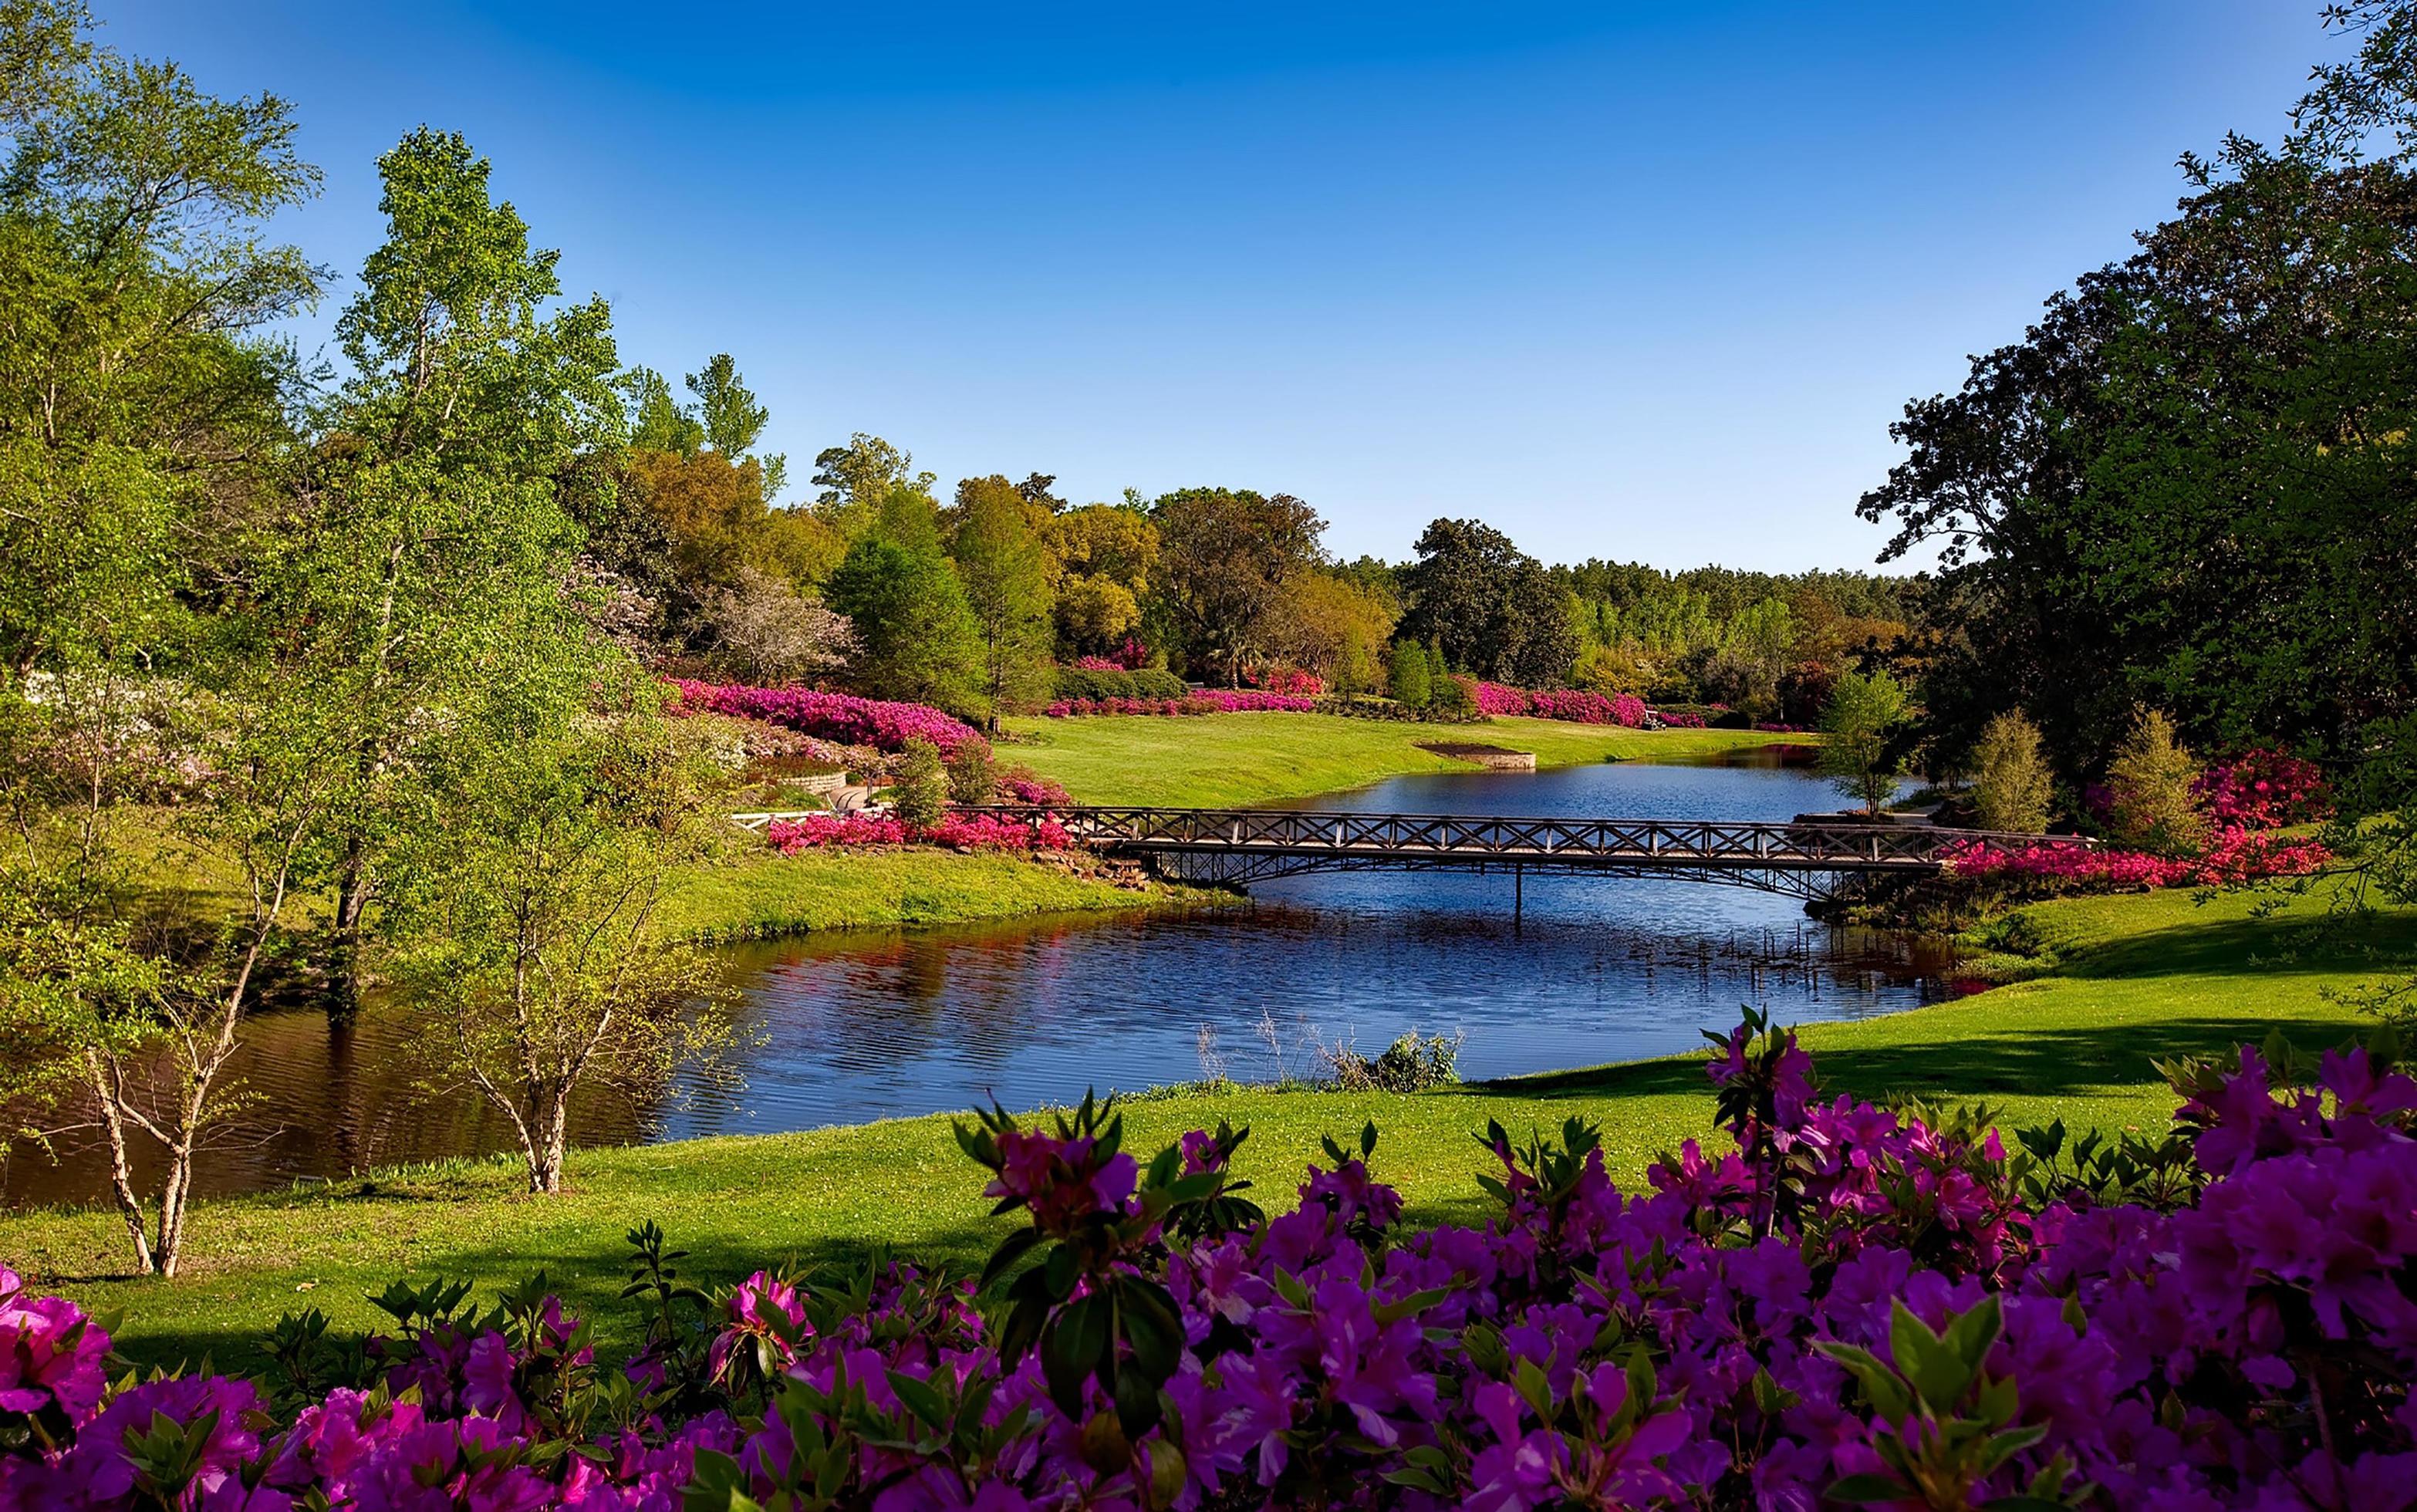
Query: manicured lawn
(2134, 978)
(753, 892)
(1220, 760)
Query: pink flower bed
(2237, 855)
(1773, 728)
(1842, 1305)
(1208, 701)
(985, 832)
(2264, 790)
(1679, 719)
(841, 717)
(1020, 786)
(1499, 700)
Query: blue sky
(1644, 281)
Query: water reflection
(866, 1025)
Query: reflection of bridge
(1802, 858)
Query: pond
(866, 1024)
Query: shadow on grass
(588, 1279)
(2379, 942)
(2033, 1062)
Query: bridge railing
(1644, 841)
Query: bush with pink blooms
(839, 717)
(1291, 680)
(979, 832)
(1020, 784)
(2264, 789)
(2237, 855)
(1203, 701)
(1847, 1305)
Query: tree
(2149, 779)
(1105, 558)
(2011, 785)
(1410, 684)
(658, 422)
(919, 789)
(731, 420)
(436, 522)
(1005, 569)
(915, 633)
(1492, 608)
(1226, 556)
(1865, 714)
(529, 915)
(771, 633)
(854, 481)
(140, 426)
(1330, 625)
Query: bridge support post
(1518, 893)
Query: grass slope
(1223, 760)
(2132, 979)
(755, 893)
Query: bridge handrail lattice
(1623, 841)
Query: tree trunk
(121, 1171)
(347, 971)
(546, 1137)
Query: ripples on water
(864, 1025)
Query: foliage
(767, 631)
(2012, 784)
(917, 637)
(1489, 607)
(2151, 781)
(1861, 723)
(1206, 701)
(854, 482)
(1006, 571)
(1408, 676)
(973, 777)
(1412, 1063)
(1104, 558)
(1329, 625)
(1227, 557)
(918, 789)
(2234, 856)
(2263, 788)
(1069, 683)
(1853, 1303)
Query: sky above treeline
(1644, 281)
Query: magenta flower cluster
(2235, 855)
(1019, 785)
(982, 832)
(2264, 789)
(1285, 680)
(1848, 1306)
(1204, 700)
(1130, 656)
(839, 717)
(1500, 700)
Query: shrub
(1205, 701)
(1285, 680)
(1020, 784)
(973, 777)
(1409, 1063)
(1451, 700)
(1861, 722)
(1846, 1305)
(2012, 784)
(1071, 683)
(839, 717)
(1411, 683)
(918, 791)
(2236, 856)
(2151, 803)
(2264, 790)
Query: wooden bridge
(1801, 858)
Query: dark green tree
(916, 637)
(1005, 569)
(1491, 608)
(1226, 556)
(1412, 685)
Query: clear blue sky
(1635, 281)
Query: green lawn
(1221, 759)
(752, 893)
(2132, 978)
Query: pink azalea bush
(981, 832)
(1501, 701)
(838, 717)
(1018, 785)
(2264, 789)
(817, 832)
(1206, 701)
(1847, 1305)
(1291, 680)
(2236, 855)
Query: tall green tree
(1226, 556)
(1491, 608)
(1004, 569)
(916, 637)
(141, 430)
(437, 523)
(733, 421)
(1865, 713)
(854, 482)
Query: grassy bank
(1222, 759)
(754, 893)
(2129, 980)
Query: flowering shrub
(1206, 701)
(1499, 700)
(1285, 680)
(1771, 727)
(1020, 784)
(1680, 719)
(2237, 855)
(1099, 664)
(1848, 1305)
(985, 832)
(2264, 790)
(839, 717)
